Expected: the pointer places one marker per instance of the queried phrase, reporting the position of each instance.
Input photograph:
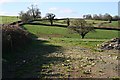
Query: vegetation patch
(64, 32)
(112, 24)
(8, 19)
(14, 37)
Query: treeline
(34, 13)
(105, 16)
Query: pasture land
(113, 24)
(8, 19)
(95, 23)
(57, 22)
(49, 31)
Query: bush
(14, 37)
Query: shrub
(14, 37)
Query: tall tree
(81, 27)
(34, 12)
(50, 16)
(31, 14)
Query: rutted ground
(81, 62)
(61, 61)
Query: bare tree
(34, 11)
(31, 14)
(50, 16)
(81, 27)
(25, 17)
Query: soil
(66, 62)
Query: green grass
(8, 19)
(103, 34)
(44, 22)
(95, 21)
(40, 30)
(36, 29)
(113, 24)
(58, 22)
(66, 42)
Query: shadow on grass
(28, 62)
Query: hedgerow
(14, 37)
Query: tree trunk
(83, 36)
(51, 22)
(110, 21)
(68, 22)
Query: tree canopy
(31, 14)
(81, 27)
(50, 16)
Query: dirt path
(43, 60)
(81, 62)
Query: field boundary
(21, 23)
(105, 28)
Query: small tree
(50, 16)
(25, 17)
(81, 27)
(68, 21)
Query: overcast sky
(62, 8)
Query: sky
(63, 9)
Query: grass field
(113, 24)
(58, 22)
(8, 19)
(62, 36)
(64, 32)
(94, 22)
